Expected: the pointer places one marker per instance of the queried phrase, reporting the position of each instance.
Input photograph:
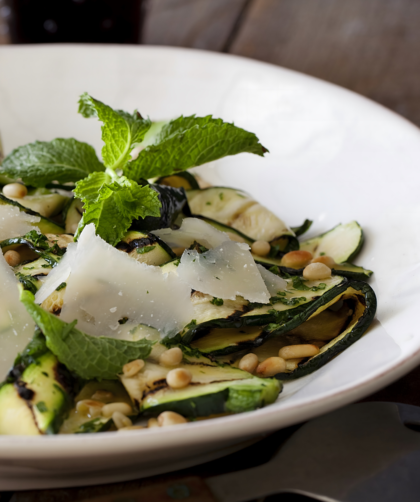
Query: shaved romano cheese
(273, 282)
(16, 325)
(14, 223)
(106, 287)
(225, 272)
(192, 229)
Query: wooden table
(369, 46)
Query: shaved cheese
(106, 286)
(225, 272)
(16, 325)
(273, 282)
(14, 223)
(192, 229)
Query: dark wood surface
(369, 46)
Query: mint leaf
(88, 356)
(113, 204)
(121, 132)
(191, 141)
(59, 160)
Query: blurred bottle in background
(62, 21)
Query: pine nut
(170, 418)
(326, 260)
(120, 420)
(171, 357)
(152, 422)
(316, 271)
(131, 369)
(271, 367)
(102, 395)
(296, 259)
(109, 409)
(178, 378)
(12, 258)
(292, 364)
(249, 363)
(15, 190)
(260, 248)
(87, 406)
(295, 351)
(178, 251)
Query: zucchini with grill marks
(238, 210)
(184, 179)
(343, 269)
(215, 388)
(146, 248)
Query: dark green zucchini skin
(174, 201)
(352, 272)
(302, 229)
(145, 240)
(185, 176)
(276, 324)
(363, 323)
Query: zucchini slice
(342, 243)
(46, 226)
(45, 202)
(343, 269)
(238, 210)
(184, 179)
(146, 248)
(215, 388)
(72, 215)
(306, 225)
(37, 394)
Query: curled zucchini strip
(364, 309)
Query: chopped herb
(42, 407)
(217, 278)
(321, 254)
(145, 249)
(177, 262)
(61, 286)
(191, 324)
(217, 301)
(46, 265)
(208, 203)
(28, 268)
(221, 195)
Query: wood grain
(201, 24)
(371, 47)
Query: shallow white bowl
(334, 157)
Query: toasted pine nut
(94, 411)
(295, 351)
(109, 409)
(296, 259)
(131, 369)
(152, 422)
(171, 357)
(271, 367)
(86, 406)
(249, 363)
(178, 251)
(178, 378)
(292, 364)
(326, 260)
(102, 395)
(170, 418)
(316, 271)
(260, 248)
(12, 258)
(121, 420)
(131, 428)
(15, 190)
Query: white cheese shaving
(106, 286)
(225, 272)
(16, 325)
(273, 282)
(14, 223)
(192, 229)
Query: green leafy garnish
(145, 249)
(121, 132)
(88, 356)
(60, 160)
(191, 141)
(112, 204)
(217, 301)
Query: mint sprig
(113, 203)
(191, 141)
(121, 132)
(59, 160)
(88, 356)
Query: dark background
(369, 46)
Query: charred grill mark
(56, 311)
(127, 247)
(23, 391)
(64, 378)
(38, 276)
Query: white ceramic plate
(335, 157)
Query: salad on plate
(136, 295)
